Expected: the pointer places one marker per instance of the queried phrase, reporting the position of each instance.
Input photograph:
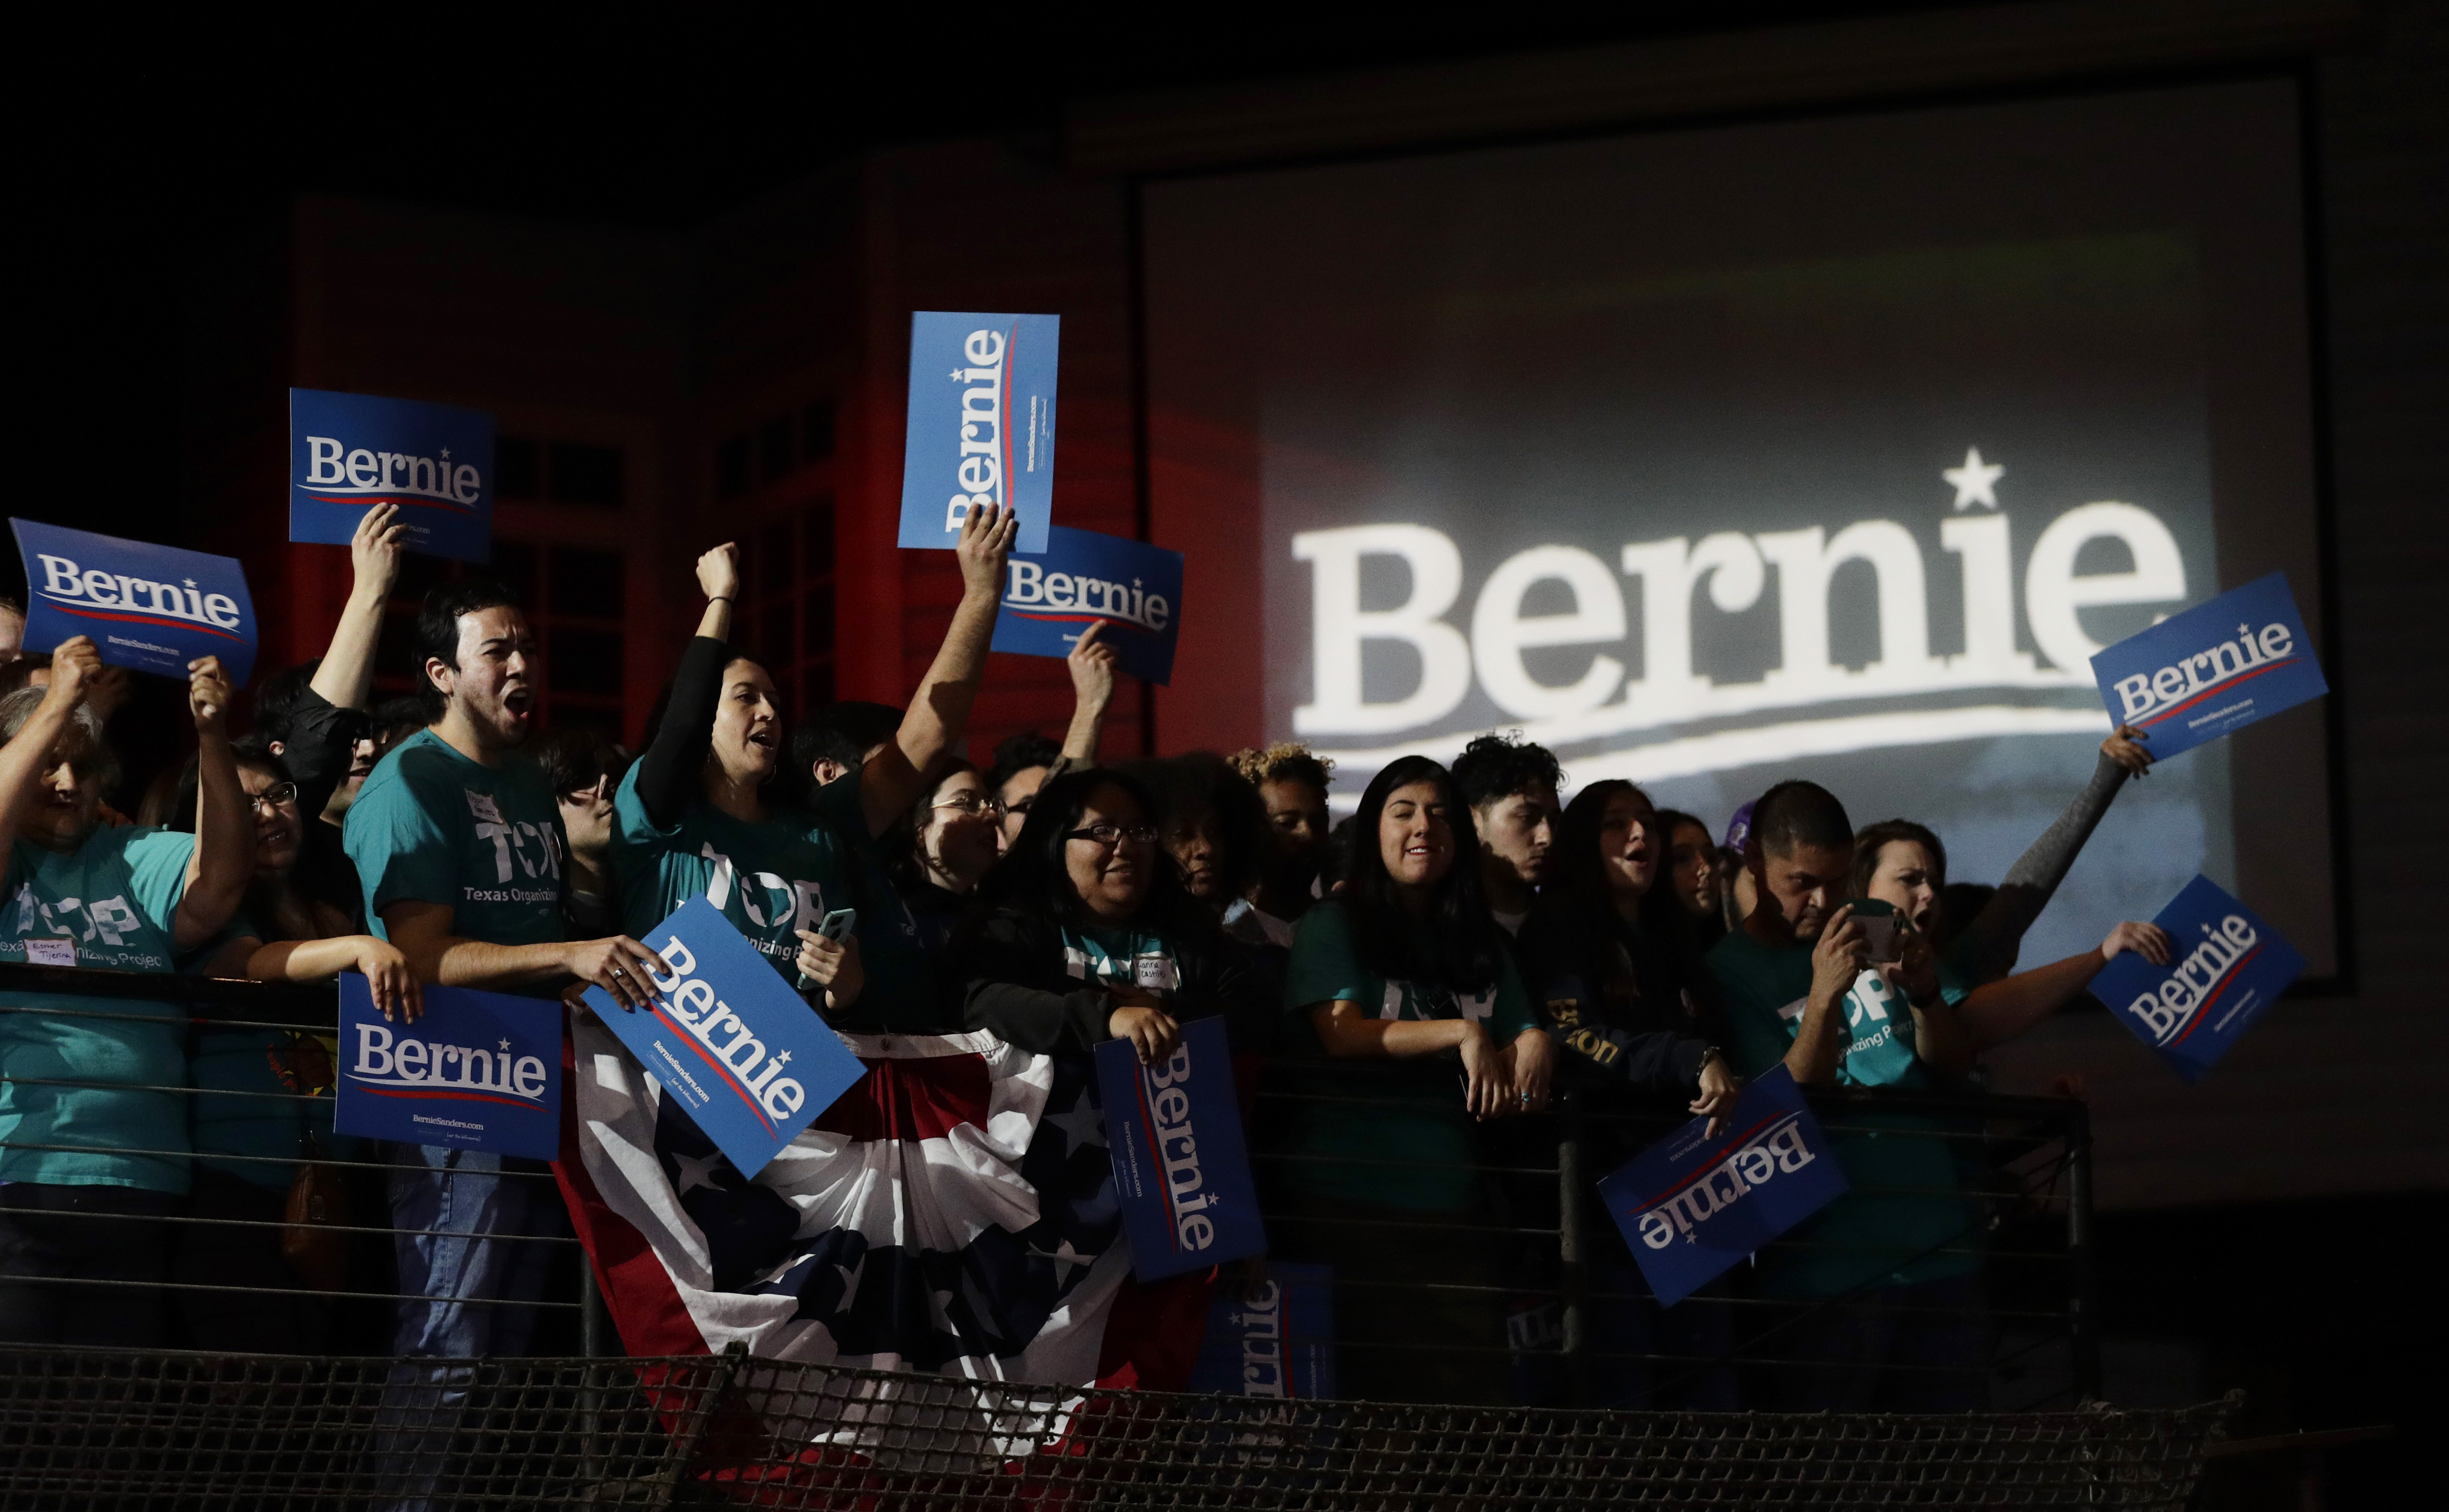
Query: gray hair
(85, 726)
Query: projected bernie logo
(1605, 704)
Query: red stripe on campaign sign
(716, 1066)
(1709, 1163)
(463, 1096)
(2215, 690)
(920, 1098)
(2203, 1014)
(367, 501)
(163, 621)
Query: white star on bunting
(695, 1171)
(1083, 1125)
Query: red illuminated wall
(668, 346)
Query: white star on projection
(1976, 482)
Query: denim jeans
(461, 1222)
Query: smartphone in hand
(1880, 929)
(835, 926)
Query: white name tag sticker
(482, 805)
(1794, 1010)
(50, 951)
(1156, 973)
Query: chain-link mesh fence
(87, 1429)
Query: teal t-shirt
(1909, 1189)
(1113, 955)
(109, 905)
(1429, 1126)
(771, 878)
(429, 825)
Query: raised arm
(668, 773)
(1996, 933)
(224, 854)
(347, 675)
(28, 756)
(1092, 689)
(940, 712)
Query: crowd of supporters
(1492, 946)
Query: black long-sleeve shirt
(317, 752)
(1617, 998)
(1017, 983)
(668, 773)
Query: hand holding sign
(208, 694)
(985, 545)
(376, 550)
(1127, 592)
(1181, 1174)
(2216, 969)
(727, 1039)
(1696, 1202)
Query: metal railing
(1569, 1314)
(1509, 1300)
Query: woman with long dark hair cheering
(1408, 964)
(1613, 953)
(1612, 957)
(1085, 934)
(704, 810)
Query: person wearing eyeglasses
(707, 809)
(1083, 932)
(938, 852)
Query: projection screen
(1828, 448)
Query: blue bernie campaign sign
(734, 1047)
(151, 609)
(2227, 968)
(350, 452)
(1273, 1338)
(2212, 669)
(479, 1070)
(981, 425)
(1181, 1169)
(1049, 599)
(1692, 1205)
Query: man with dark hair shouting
(1890, 1272)
(458, 843)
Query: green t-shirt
(431, 827)
(1873, 1235)
(771, 878)
(110, 904)
(1429, 1126)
